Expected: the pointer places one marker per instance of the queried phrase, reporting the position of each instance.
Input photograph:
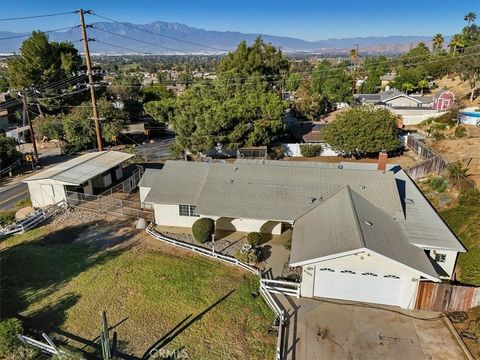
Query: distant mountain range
(179, 38)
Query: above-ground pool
(469, 116)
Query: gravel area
(71, 216)
(222, 246)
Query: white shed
(89, 174)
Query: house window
(440, 258)
(187, 210)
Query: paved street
(10, 195)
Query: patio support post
(213, 242)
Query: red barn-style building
(443, 100)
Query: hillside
(178, 38)
(460, 89)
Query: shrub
(470, 198)
(460, 131)
(254, 238)
(276, 153)
(311, 150)
(288, 244)
(250, 257)
(9, 331)
(23, 203)
(438, 183)
(49, 127)
(437, 135)
(7, 217)
(203, 229)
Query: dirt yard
(466, 150)
(460, 89)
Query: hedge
(311, 150)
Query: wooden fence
(432, 163)
(446, 297)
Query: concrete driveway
(354, 331)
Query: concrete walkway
(326, 330)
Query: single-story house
(90, 173)
(394, 98)
(360, 232)
(386, 79)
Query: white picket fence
(200, 250)
(267, 286)
(29, 222)
(284, 287)
(48, 348)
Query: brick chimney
(382, 161)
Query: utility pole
(32, 134)
(90, 79)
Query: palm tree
(407, 87)
(457, 42)
(423, 84)
(470, 18)
(437, 42)
(456, 171)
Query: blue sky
(305, 19)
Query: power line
(121, 47)
(158, 34)
(140, 41)
(37, 16)
(44, 31)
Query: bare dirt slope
(460, 88)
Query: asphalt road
(9, 196)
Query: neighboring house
(443, 100)
(413, 108)
(87, 174)
(387, 79)
(394, 98)
(359, 233)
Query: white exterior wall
(364, 262)
(167, 215)
(293, 149)
(45, 192)
(403, 101)
(143, 195)
(450, 260)
(248, 225)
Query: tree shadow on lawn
(180, 328)
(34, 270)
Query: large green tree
(8, 150)
(362, 131)
(40, 62)
(79, 128)
(332, 81)
(260, 59)
(468, 67)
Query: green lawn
(60, 280)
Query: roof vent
(312, 199)
(231, 181)
(368, 223)
(363, 187)
(339, 166)
(409, 201)
(235, 168)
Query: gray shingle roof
(347, 222)
(422, 223)
(179, 182)
(266, 191)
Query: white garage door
(385, 289)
